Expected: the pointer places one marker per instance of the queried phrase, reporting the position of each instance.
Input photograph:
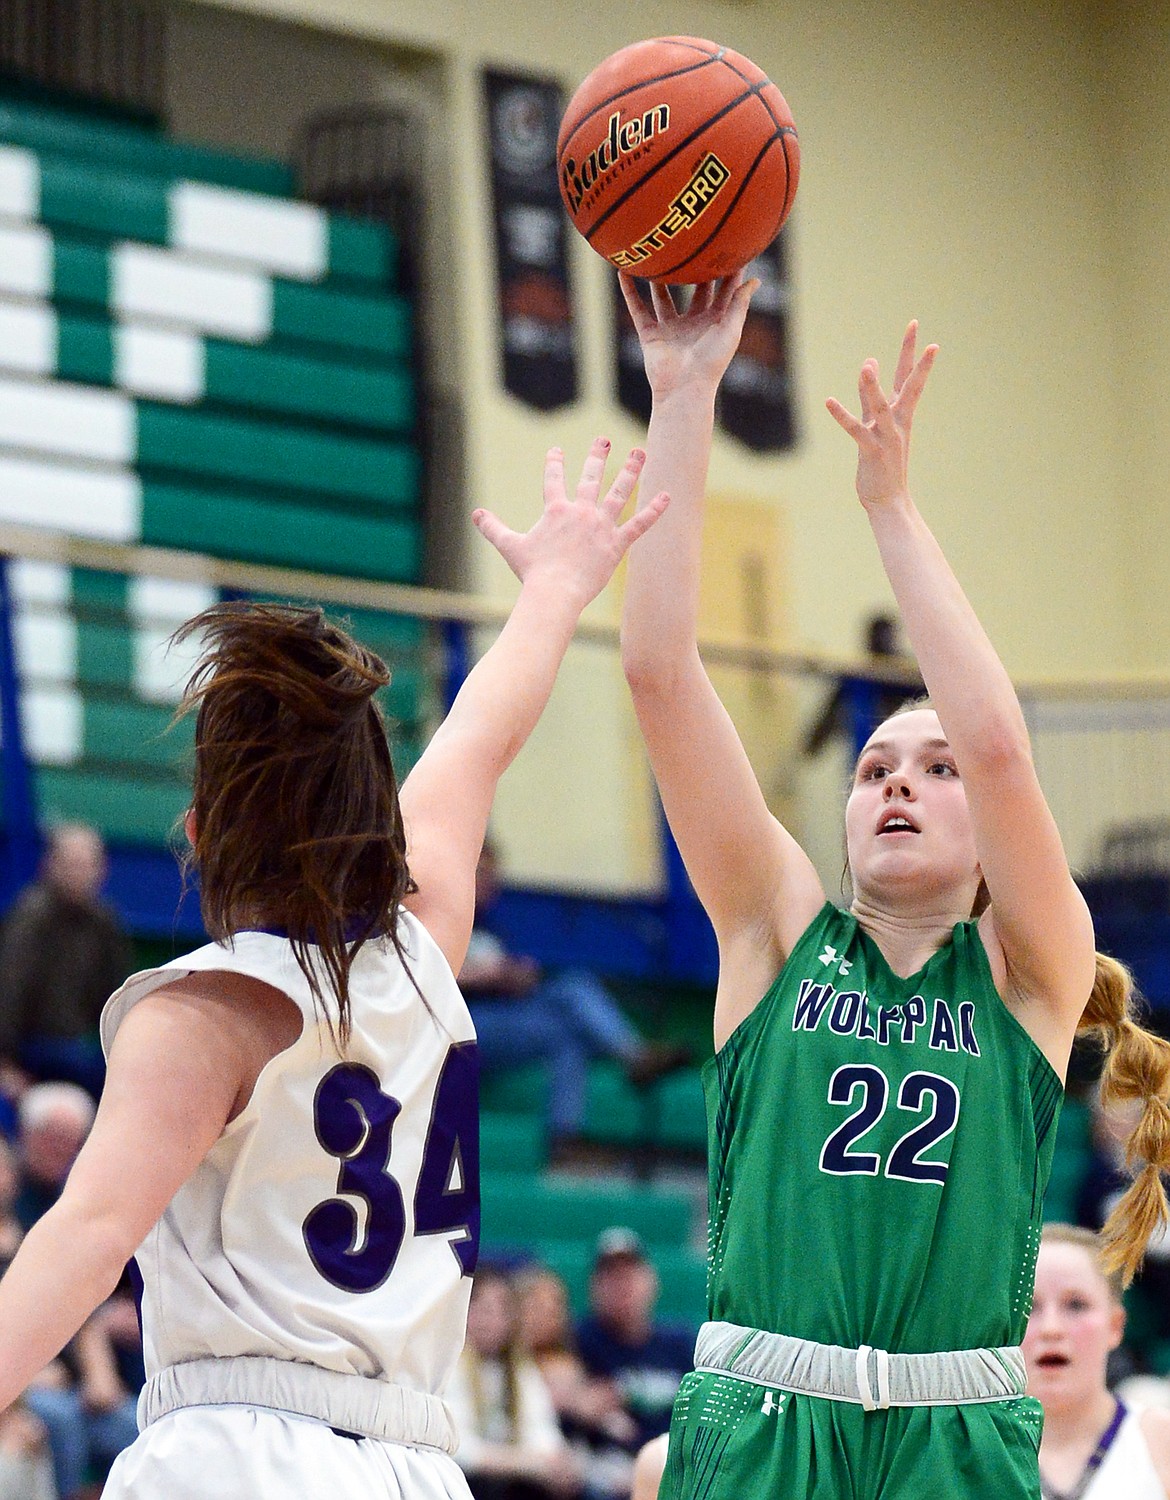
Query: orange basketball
(678, 159)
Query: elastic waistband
(867, 1377)
(373, 1408)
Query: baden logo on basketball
(620, 139)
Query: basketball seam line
(739, 73)
(666, 160)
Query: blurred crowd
(62, 952)
(546, 1405)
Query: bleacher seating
(189, 358)
(195, 361)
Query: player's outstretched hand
(882, 432)
(691, 347)
(576, 542)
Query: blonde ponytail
(1137, 1068)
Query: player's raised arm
(563, 562)
(1037, 916)
(712, 799)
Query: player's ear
(189, 826)
(1116, 1326)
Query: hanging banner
(537, 346)
(633, 389)
(756, 398)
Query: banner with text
(537, 344)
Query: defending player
(887, 1078)
(297, 1100)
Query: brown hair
(1092, 1245)
(295, 801)
(1137, 1068)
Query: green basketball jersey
(879, 1149)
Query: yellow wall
(972, 166)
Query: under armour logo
(772, 1402)
(830, 956)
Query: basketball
(678, 159)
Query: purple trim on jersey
(137, 1287)
(357, 929)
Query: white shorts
(232, 1452)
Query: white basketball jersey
(336, 1219)
(1127, 1471)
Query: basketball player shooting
(887, 1079)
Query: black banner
(756, 401)
(633, 389)
(536, 310)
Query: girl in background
(287, 1140)
(1093, 1447)
(511, 1446)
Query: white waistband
(867, 1377)
(373, 1408)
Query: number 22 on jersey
(907, 1161)
(354, 1120)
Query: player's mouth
(893, 821)
(1052, 1361)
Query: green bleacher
(531, 1214)
(209, 365)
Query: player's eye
(943, 768)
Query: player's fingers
(639, 312)
(623, 486)
(593, 470)
(493, 529)
(845, 418)
(906, 355)
(869, 390)
(642, 520)
(663, 302)
(554, 475)
(704, 296)
(916, 381)
(729, 288)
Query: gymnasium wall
(955, 168)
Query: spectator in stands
(840, 716)
(1092, 1446)
(620, 1340)
(55, 1119)
(511, 1447)
(26, 1469)
(62, 952)
(522, 1015)
(589, 1408)
(11, 1229)
(649, 1467)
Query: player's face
(907, 826)
(490, 1318)
(1075, 1323)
